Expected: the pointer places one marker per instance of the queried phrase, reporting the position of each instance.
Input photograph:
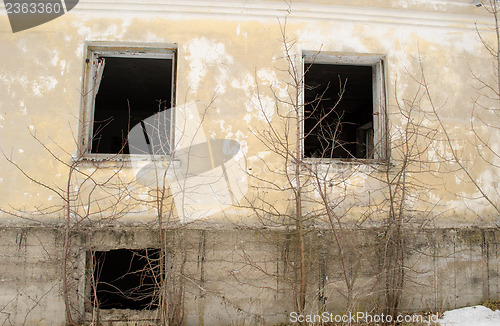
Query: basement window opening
(125, 279)
(125, 87)
(343, 115)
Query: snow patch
(471, 316)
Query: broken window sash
(140, 81)
(99, 69)
(357, 129)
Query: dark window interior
(131, 90)
(126, 278)
(344, 131)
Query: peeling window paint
(126, 86)
(344, 107)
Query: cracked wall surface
(233, 83)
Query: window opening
(338, 111)
(126, 279)
(125, 87)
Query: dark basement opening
(126, 279)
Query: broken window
(343, 107)
(125, 86)
(125, 279)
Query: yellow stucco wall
(229, 55)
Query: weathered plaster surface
(230, 65)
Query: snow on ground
(471, 316)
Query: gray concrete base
(243, 276)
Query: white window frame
(95, 50)
(377, 62)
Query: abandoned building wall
(30, 277)
(456, 267)
(226, 64)
(228, 75)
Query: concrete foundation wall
(238, 92)
(30, 276)
(244, 276)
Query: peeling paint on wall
(204, 54)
